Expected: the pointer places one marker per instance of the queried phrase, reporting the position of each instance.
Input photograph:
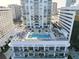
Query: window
(46, 49)
(57, 55)
(46, 27)
(30, 48)
(57, 48)
(27, 1)
(26, 54)
(28, 26)
(17, 54)
(27, 7)
(36, 54)
(45, 1)
(62, 48)
(24, 13)
(25, 49)
(50, 0)
(27, 13)
(40, 1)
(30, 54)
(16, 49)
(51, 48)
(41, 48)
(24, 17)
(31, 17)
(36, 49)
(66, 16)
(41, 54)
(51, 55)
(46, 54)
(35, 0)
(61, 54)
(65, 23)
(66, 26)
(31, 1)
(40, 17)
(66, 29)
(44, 23)
(36, 21)
(44, 15)
(65, 19)
(66, 13)
(44, 11)
(31, 7)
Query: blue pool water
(41, 35)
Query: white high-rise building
(67, 16)
(54, 8)
(16, 11)
(70, 2)
(69, 19)
(40, 41)
(36, 12)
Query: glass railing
(50, 56)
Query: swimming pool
(40, 36)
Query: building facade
(6, 25)
(67, 16)
(69, 20)
(70, 2)
(16, 11)
(40, 41)
(36, 12)
(54, 8)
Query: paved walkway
(2, 56)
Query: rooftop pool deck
(39, 36)
(46, 36)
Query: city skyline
(7, 2)
(61, 3)
(40, 37)
(39, 29)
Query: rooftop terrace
(54, 35)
